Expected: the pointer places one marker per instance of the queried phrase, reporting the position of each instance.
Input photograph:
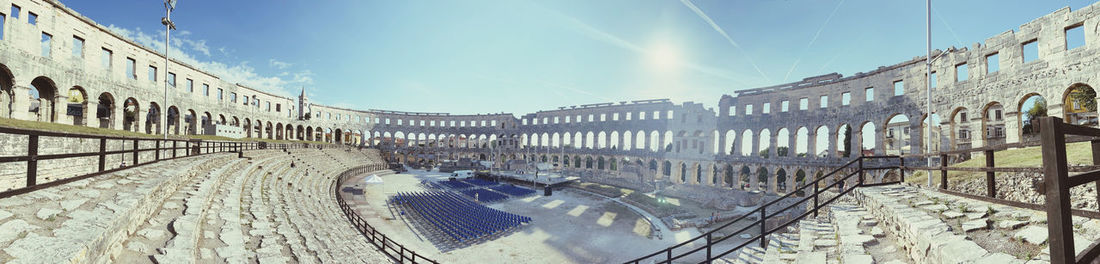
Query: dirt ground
(568, 227)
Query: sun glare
(664, 57)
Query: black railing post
(861, 173)
(32, 160)
(136, 146)
(174, 148)
(990, 184)
(156, 156)
(1096, 161)
(943, 171)
(102, 153)
(902, 170)
(708, 246)
(1056, 174)
(816, 192)
(763, 226)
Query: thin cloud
(183, 48)
(722, 32)
(812, 40)
(278, 64)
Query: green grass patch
(1076, 153)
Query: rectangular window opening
(1030, 50)
(1075, 36)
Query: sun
(664, 57)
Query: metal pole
(167, 32)
(928, 83)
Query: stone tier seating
(903, 224)
(208, 208)
(460, 220)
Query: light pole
(169, 5)
(928, 88)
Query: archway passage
(105, 111)
(1031, 108)
(77, 106)
(7, 96)
(897, 136)
(43, 100)
(1079, 105)
(993, 124)
(130, 115)
(152, 119)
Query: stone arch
(821, 143)
(601, 163)
(131, 116)
(1031, 106)
(639, 140)
(7, 94)
(590, 140)
(654, 141)
(173, 126)
(781, 180)
(1079, 105)
(935, 132)
(588, 162)
(43, 100)
(800, 180)
(783, 143)
(960, 129)
(746, 143)
(105, 110)
(896, 135)
(668, 141)
(762, 179)
(993, 124)
(268, 129)
(765, 143)
(845, 140)
(745, 178)
(152, 119)
(683, 172)
(868, 138)
(614, 140)
(628, 140)
(731, 141)
(77, 107)
(666, 169)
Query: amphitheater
(637, 181)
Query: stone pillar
(754, 181)
(22, 103)
(916, 138)
(773, 145)
(772, 180)
(1013, 131)
(90, 119)
(790, 179)
(880, 135)
(811, 145)
(722, 144)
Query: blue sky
(521, 56)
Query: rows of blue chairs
(484, 195)
(513, 190)
(457, 185)
(480, 182)
(461, 219)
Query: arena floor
(569, 227)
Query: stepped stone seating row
(210, 208)
(88, 220)
(904, 224)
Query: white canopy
(373, 179)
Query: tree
(764, 152)
(847, 141)
(1085, 97)
(782, 151)
(1037, 110)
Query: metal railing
(384, 243)
(163, 149)
(1056, 185)
(854, 170)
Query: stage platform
(543, 179)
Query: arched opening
(746, 173)
(43, 100)
(628, 140)
(897, 136)
(821, 141)
(960, 129)
(173, 120)
(668, 141)
(191, 121)
(105, 111)
(614, 165)
(1031, 108)
(654, 139)
(781, 180)
(588, 162)
(683, 173)
(731, 141)
(746, 143)
(699, 174)
(130, 115)
(800, 180)
(993, 124)
(801, 142)
(783, 143)
(639, 141)
(589, 140)
(761, 179)
(7, 96)
(152, 119)
(765, 143)
(728, 176)
(844, 141)
(1080, 105)
(614, 140)
(667, 169)
(867, 139)
(77, 107)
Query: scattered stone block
(825, 243)
(973, 216)
(47, 213)
(952, 214)
(14, 228)
(858, 259)
(1010, 224)
(72, 204)
(975, 225)
(877, 232)
(1032, 234)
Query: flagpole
(928, 83)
